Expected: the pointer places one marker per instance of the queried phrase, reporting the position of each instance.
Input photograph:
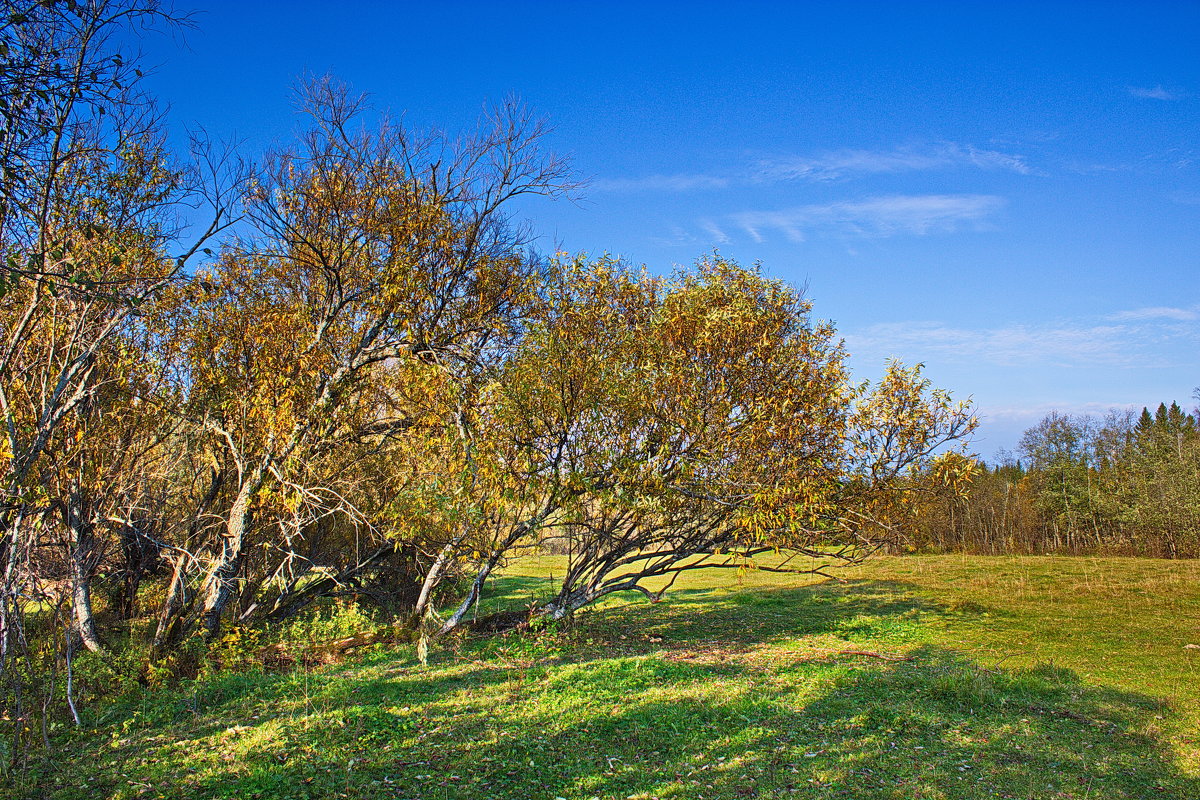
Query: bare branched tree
(90, 236)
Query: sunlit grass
(1029, 677)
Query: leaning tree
(649, 426)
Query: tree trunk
(140, 555)
(82, 553)
(10, 610)
(176, 597)
(176, 616)
(433, 577)
(223, 579)
(568, 603)
(472, 596)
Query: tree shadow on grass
(886, 613)
(647, 726)
(937, 727)
(620, 718)
(861, 607)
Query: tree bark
(176, 597)
(472, 596)
(83, 545)
(10, 611)
(174, 618)
(433, 577)
(223, 579)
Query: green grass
(1028, 678)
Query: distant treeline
(1121, 484)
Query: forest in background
(1124, 484)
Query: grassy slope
(1031, 678)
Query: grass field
(1025, 678)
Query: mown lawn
(1026, 678)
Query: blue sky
(1007, 192)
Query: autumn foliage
(374, 385)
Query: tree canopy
(379, 387)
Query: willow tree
(381, 270)
(658, 425)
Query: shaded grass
(1013, 690)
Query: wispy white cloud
(843, 163)
(714, 231)
(1148, 164)
(1152, 93)
(1135, 339)
(1038, 410)
(1096, 168)
(1005, 346)
(875, 216)
(825, 167)
(660, 183)
(1159, 313)
(675, 237)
